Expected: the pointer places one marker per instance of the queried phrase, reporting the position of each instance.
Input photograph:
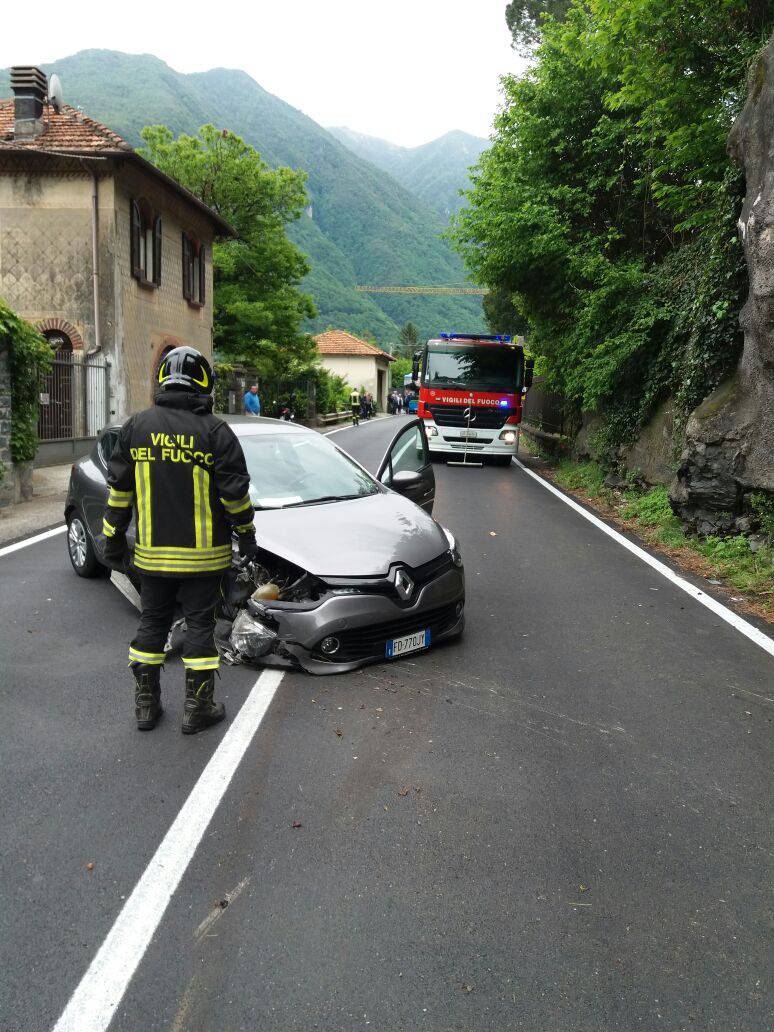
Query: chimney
(30, 88)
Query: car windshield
(483, 367)
(300, 469)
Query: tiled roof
(69, 130)
(339, 342)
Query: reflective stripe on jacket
(182, 471)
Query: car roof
(248, 426)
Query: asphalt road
(559, 823)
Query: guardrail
(329, 418)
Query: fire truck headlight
(508, 436)
(431, 431)
(454, 548)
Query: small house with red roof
(108, 257)
(365, 366)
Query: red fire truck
(471, 390)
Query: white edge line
(745, 628)
(349, 426)
(7, 549)
(92, 1005)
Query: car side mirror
(529, 372)
(404, 480)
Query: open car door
(406, 467)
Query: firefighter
(354, 400)
(182, 470)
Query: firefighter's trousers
(198, 597)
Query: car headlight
(508, 436)
(454, 548)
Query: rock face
(729, 448)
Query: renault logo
(404, 585)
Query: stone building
(107, 256)
(361, 364)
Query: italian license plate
(408, 643)
(469, 434)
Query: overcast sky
(405, 70)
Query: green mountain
(362, 227)
(434, 172)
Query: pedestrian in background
(252, 401)
(181, 471)
(354, 400)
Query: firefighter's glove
(248, 546)
(115, 552)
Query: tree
(605, 210)
(408, 339)
(524, 18)
(258, 306)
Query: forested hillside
(364, 226)
(605, 212)
(436, 172)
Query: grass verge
(748, 575)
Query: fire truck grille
(483, 417)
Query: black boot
(147, 695)
(201, 711)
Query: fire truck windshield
(481, 367)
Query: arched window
(194, 270)
(145, 244)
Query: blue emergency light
(503, 403)
(496, 338)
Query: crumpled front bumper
(360, 618)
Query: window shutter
(202, 273)
(186, 268)
(157, 251)
(134, 238)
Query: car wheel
(80, 548)
(500, 460)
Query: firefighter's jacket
(182, 471)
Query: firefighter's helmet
(185, 369)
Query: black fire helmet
(185, 369)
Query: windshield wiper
(323, 498)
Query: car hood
(357, 538)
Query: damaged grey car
(352, 568)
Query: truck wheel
(500, 460)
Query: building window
(194, 270)
(145, 244)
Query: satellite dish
(55, 93)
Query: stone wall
(729, 449)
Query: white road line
(760, 639)
(7, 549)
(94, 1002)
(349, 426)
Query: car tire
(80, 547)
(500, 460)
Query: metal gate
(74, 406)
